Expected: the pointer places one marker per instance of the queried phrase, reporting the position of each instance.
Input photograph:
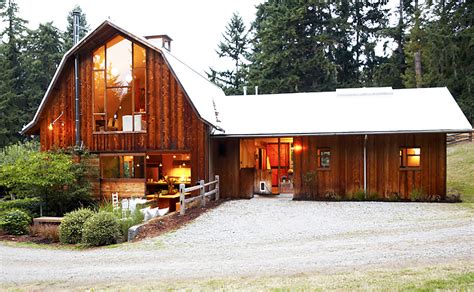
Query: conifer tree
(68, 34)
(235, 47)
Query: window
(410, 157)
(119, 72)
(324, 157)
(122, 166)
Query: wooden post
(203, 192)
(182, 207)
(470, 136)
(217, 187)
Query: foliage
(47, 231)
(30, 205)
(235, 47)
(133, 219)
(359, 195)
(70, 229)
(417, 195)
(102, 228)
(15, 221)
(332, 196)
(68, 34)
(53, 177)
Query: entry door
(272, 153)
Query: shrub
(135, 218)
(332, 196)
(373, 196)
(15, 221)
(30, 205)
(48, 231)
(393, 197)
(417, 195)
(102, 228)
(70, 230)
(58, 180)
(358, 195)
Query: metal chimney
(245, 90)
(76, 16)
(256, 90)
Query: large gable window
(119, 86)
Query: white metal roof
(345, 111)
(200, 90)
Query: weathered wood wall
(172, 123)
(384, 175)
(126, 188)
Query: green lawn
(461, 171)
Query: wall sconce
(50, 126)
(297, 148)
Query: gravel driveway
(264, 236)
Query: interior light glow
(298, 148)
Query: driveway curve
(263, 237)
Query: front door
(273, 156)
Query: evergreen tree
(234, 46)
(68, 34)
(290, 47)
(44, 50)
(12, 99)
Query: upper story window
(410, 157)
(119, 74)
(324, 157)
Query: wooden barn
(154, 121)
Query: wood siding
(384, 175)
(126, 188)
(172, 122)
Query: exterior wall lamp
(50, 126)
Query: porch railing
(201, 187)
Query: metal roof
(344, 111)
(199, 90)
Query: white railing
(183, 191)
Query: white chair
(125, 207)
(115, 201)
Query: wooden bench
(47, 220)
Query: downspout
(365, 166)
(76, 29)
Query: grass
(461, 171)
(454, 277)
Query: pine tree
(234, 46)
(68, 34)
(290, 48)
(44, 50)
(12, 99)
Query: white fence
(202, 186)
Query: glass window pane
(139, 56)
(99, 58)
(128, 169)
(139, 166)
(139, 88)
(99, 91)
(110, 166)
(413, 161)
(119, 109)
(99, 123)
(119, 62)
(413, 151)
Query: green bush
(102, 228)
(358, 195)
(417, 195)
(70, 230)
(15, 221)
(31, 205)
(54, 177)
(135, 218)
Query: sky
(196, 27)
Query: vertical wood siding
(172, 123)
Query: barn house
(152, 120)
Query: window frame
(403, 152)
(101, 168)
(319, 156)
(132, 89)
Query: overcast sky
(196, 27)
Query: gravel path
(264, 236)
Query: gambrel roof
(200, 91)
